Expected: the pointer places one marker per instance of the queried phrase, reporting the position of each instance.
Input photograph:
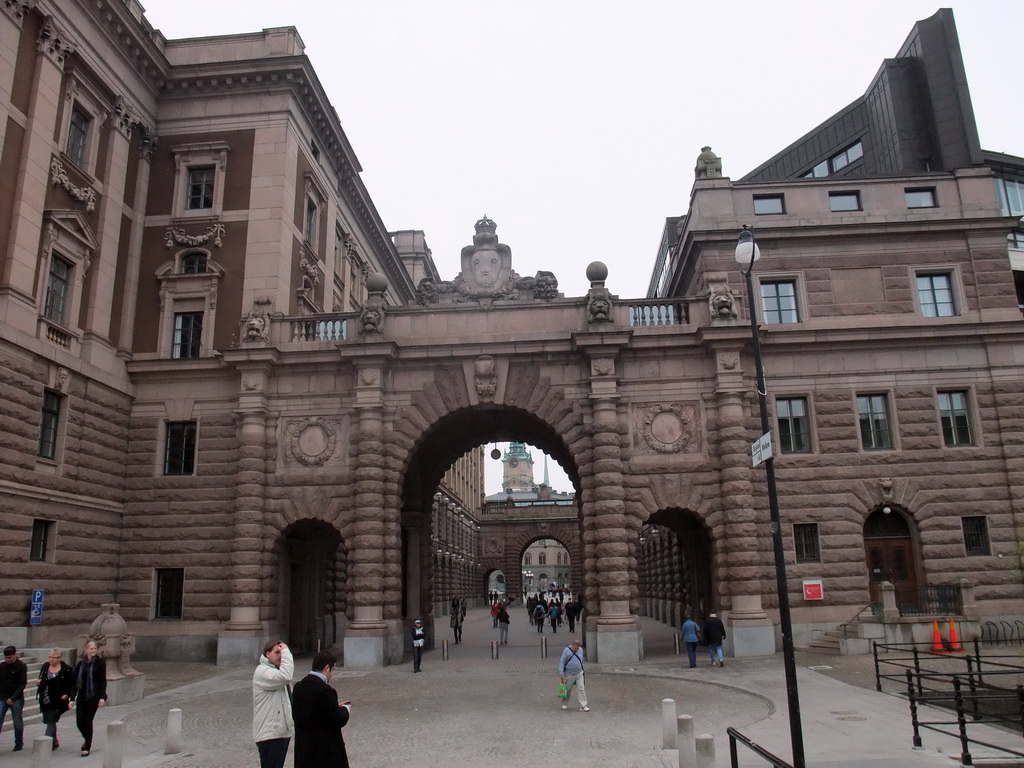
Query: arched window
(527, 559)
(542, 559)
(193, 263)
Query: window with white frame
(955, 418)
(779, 301)
(844, 201)
(875, 425)
(794, 426)
(199, 180)
(84, 111)
(58, 286)
(935, 294)
(189, 286)
(68, 245)
(79, 127)
(186, 341)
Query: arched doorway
(890, 555)
(675, 567)
(311, 592)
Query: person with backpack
(570, 671)
(539, 612)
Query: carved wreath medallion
(312, 441)
(672, 428)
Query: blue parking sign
(36, 614)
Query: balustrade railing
(658, 313)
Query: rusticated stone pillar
(243, 634)
(740, 577)
(365, 638)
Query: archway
(890, 554)
(311, 584)
(675, 564)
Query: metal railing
(976, 688)
(942, 600)
(1003, 633)
(735, 737)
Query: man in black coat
(319, 717)
(714, 634)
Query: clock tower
(518, 471)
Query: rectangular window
(955, 418)
(200, 188)
(808, 548)
(873, 413)
(935, 295)
(39, 549)
(180, 448)
(794, 434)
(920, 198)
(188, 334)
(844, 201)
(57, 286)
(778, 302)
(976, 536)
(78, 136)
(170, 590)
(310, 230)
(49, 425)
(766, 204)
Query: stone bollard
(676, 649)
(705, 751)
(173, 744)
(685, 743)
(668, 724)
(42, 749)
(444, 650)
(543, 647)
(113, 752)
(494, 649)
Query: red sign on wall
(813, 590)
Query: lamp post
(747, 253)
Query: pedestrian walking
(91, 692)
(55, 692)
(13, 678)
(691, 636)
(456, 621)
(570, 672)
(555, 614)
(495, 607)
(272, 723)
(319, 717)
(419, 639)
(539, 611)
(570, 615)
(714, 633)
(503, 622)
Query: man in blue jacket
(570, 670)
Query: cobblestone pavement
(473, 711)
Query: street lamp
(747, 253)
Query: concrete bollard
(42, 749)
(444, 650)
(685, 743)
(494, 649)
(705, 751)
(172, 745)
(543, 647)
(676, 643)
(668, 724)
(113, 752)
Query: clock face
(513, 462)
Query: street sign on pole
(36, 615)
(761, 449)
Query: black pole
(786, 624)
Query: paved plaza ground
(474, 711)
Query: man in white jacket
(272, 724)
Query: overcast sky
(575, 124)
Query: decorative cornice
(122, 119)
(17, 9)
(53, 43)
(59, 178)
(174, 235)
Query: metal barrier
(735, 737)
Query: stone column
(752, 632)
(365, 639)
(678, 582)
(11, 21)
(147, 145)
(28, 198)
(242, 637)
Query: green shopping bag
(563, 692)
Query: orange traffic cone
(937, 646)
(954, 640)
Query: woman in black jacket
(91, 681)
(55, 691)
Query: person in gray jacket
(570, 670)
(272, 723)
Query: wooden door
(892, 560)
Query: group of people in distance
(311, 712)
(59, 687)
(552, 611)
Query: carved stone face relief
(485, 379)
(672, 428)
